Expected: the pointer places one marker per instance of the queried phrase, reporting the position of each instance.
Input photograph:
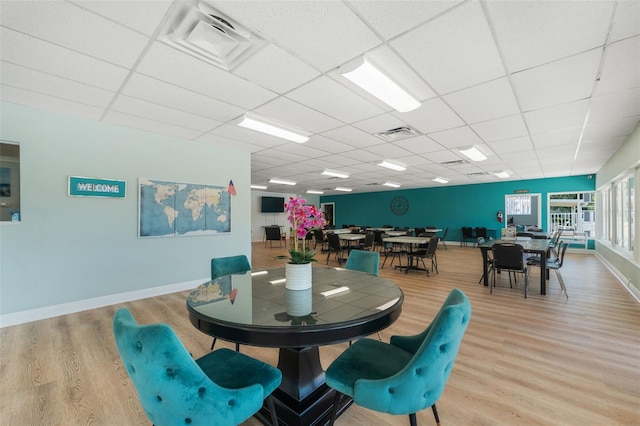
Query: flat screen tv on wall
(272, 205)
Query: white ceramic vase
(298, 276)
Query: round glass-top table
(257, 309)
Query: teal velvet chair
(223, 387)
(221, 266)
(229, 265)
(408, 374)
(362, 260)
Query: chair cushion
(222, 366)
(357, 363)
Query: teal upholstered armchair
(229, 265)
(362, 260)
(223, 387)
(408, 374)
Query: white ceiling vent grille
(454, 163)
(202, 31)
(397, 134)
(477, 174)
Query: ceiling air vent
(477, 174)
(397, 134)
(203, 32)
(373, 184)
(454, 163)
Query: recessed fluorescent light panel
(393, 165)
(265, 126)
(374, 81)
(341, 188)
(440, 180)
(282, 181)
(473, 153)
(334, 173)
(391, 184)
(502, 175)
(258, 186)
(313, 191)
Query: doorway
(328, 212)
(523, 211)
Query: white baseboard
(626, 283)
(96, 302)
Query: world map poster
(175, 209)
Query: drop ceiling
(544, 89)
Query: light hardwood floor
(544, 360)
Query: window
(618, 211)
(517, 205)
(573, 211)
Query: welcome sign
(92, 187)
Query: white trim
(93, 303)
(626, 283)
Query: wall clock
(399, 205)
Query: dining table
(256, 308)
(409, 243)
(532, 245)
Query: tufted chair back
(365, 261)
(229, 265)
(171, 386)
(421, 382)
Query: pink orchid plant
(303, 218)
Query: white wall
(72, 249)
(259, 219)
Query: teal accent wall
(448, 206)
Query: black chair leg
(412, 419)
(214, 342)
(272, 411)
(237, 347)
(435, 414)
(334, 409)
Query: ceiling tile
(42, 101)
(532, 33)
(162, 93)
(328, 145)
(298, 115)
(165, 63)
(36, 81)
(433, 116)
(485, 101)
(610, 129)
(559, 82)
(458, 137)
(626, 22)
(388, 151)
(558, 137)
(558, 117)
(235, 132)
(153, 126)
(325, 37)
(60, 23)
(354, 137)
(334, 100)
(390, 18)
(276, 70)
(523, 143)
(140, 108)
(474, 49)
(30, 52)
(379, 123)
(611, 106)
(141, 16)
(501, 128)
(419, 145)
(621, 68)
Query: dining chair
(365, 261)
(272, 233)
(426, 251)
(221, 266)
(409, 373)
(509, 257)
(443, 238)
(319, 238)
(466, 235)
(335, 246)
(175, 389)
(555, 264)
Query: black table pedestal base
(303, 399)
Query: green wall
(448, 206)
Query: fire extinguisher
(500, 216)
